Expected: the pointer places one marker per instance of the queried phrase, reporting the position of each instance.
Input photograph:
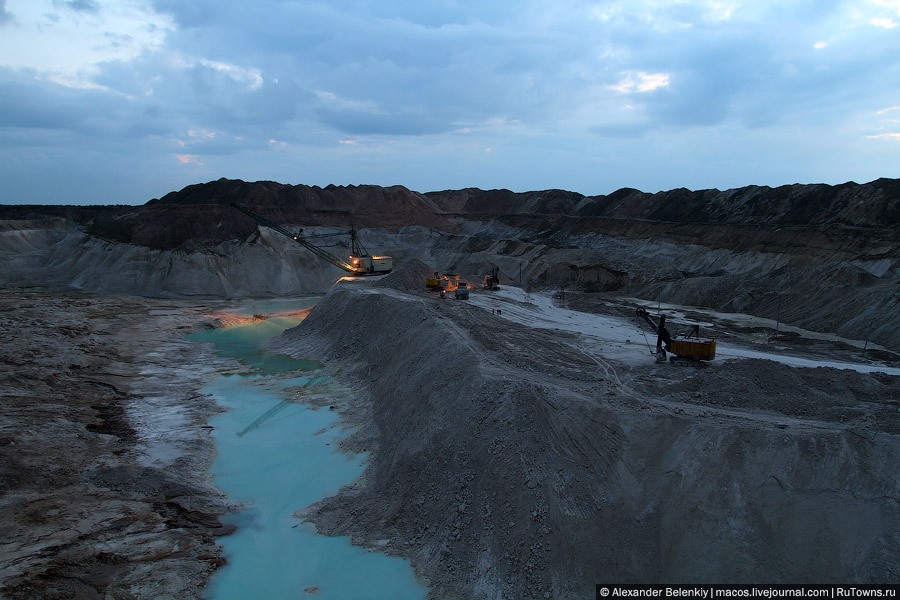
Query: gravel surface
(104, 451)
(511, 461)
(505, 460)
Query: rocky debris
(504, 463)
(870, 402)
(409, 276)
(202, 212)
(874, 204)
(87, 509)
(825, 258)
(504, 460)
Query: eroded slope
(510, 462)
(103, 491)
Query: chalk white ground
(622, 339)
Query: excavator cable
(342, 264)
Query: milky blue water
(278, 455)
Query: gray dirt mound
(504, 463)
(827, 394)
(408, 275)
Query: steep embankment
(193, 243)
(63, 254)
(200, 216)
(831, 288)
(869, 205)
(509, 462)
(822, 257)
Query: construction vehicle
(462, 291)
(360, 262)
(491, 281)
(437, 282)
(687, 350)
(442, 281)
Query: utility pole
(778, 321)
(868, 335)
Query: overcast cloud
(119, 101)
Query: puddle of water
(278, 456)
(242, 343)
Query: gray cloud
(232, 83)
(368, 123)
(86, 6)
(28, 103)
(621, 130)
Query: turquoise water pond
(276, 456)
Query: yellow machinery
(694, 349)
(436, 282)
(688, 349)
(446, 281)
(491, 281)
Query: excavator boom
(362, 264)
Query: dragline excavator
(360, 262)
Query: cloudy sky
(120, 101)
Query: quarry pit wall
(844, 289)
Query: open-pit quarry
(522, 443)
